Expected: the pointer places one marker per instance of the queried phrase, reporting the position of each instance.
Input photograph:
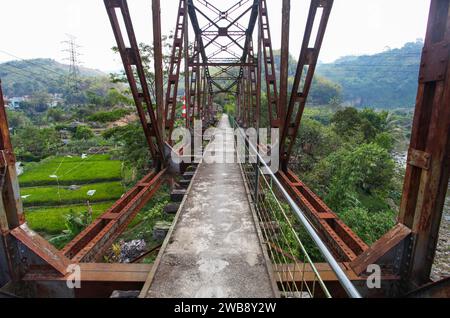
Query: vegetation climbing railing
(293, 244)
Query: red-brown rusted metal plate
(100, 235)
(343, 242)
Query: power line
(35, 76)
(375, 65)
(27, 76)
(32, 63)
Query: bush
(107, 117)
(33, 144)
(133, 147)
(346, 175)
(368, 226)
(83, 133)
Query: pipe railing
(269, 180)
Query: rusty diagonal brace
(141, 93)
(300, 91)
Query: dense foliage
(347, 160)
(106, 117)
(132, 149)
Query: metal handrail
(340, 274)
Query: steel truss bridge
(231, 52)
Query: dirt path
(124, 121)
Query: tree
(315, 141)
(115, 98)
(324, 91)
(17, 119)
(346, 122)
(33, 144)
(83, 133)
(366, 170)
(384, 80)
(132, 148)
(55, 115)
(370, 167)
(148, 57)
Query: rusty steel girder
(222, 25)
(253, 78)
(194, 82)
(11, 208)
(91, 244)
(284, 61)
(132, 62)
(175, 67)
(411, 245)
(269, 66)
(343, 242)
(20, 248)
(427, 171)
(306, 63)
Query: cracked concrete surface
(214, 249)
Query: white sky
(32, 29)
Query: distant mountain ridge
(25, 77)
(385, 80)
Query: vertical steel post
(205, 107)
(256, 179)
(186, 63)
(11, 209)
(309, 55)
(194, 82)
(427, 172)
(132, 62)
(269, 64)
(284, 65)
(259, 56)
(199, 92)
(173, 77)
(159, 75)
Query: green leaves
(132, 148)
(32, 143)
(369, 226)
(107, 117)
(346, 160)
(83, 133)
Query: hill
(385, 80)
(323, 90)
(27, 77)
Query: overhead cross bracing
(231, 52)
(223, 33)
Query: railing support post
(256, 179)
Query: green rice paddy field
(48, 197)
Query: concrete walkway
(214, 250)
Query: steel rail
(340, 274)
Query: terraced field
(58, 186)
